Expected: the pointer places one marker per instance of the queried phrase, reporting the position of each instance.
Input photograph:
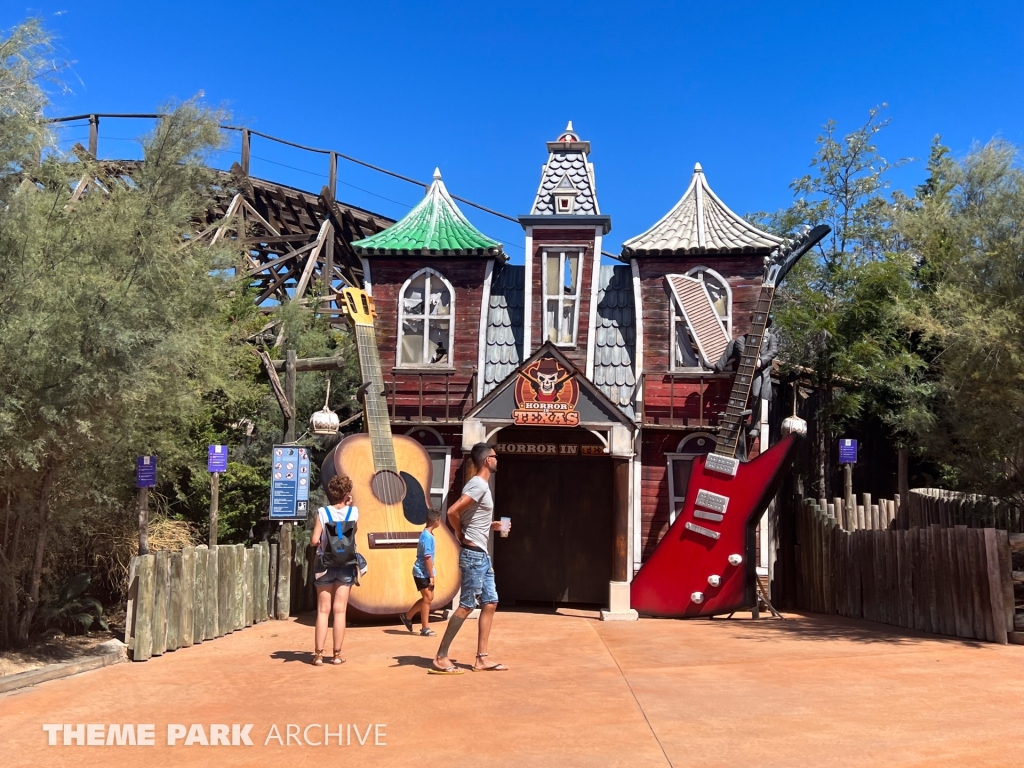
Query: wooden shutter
(705, 325)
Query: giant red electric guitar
(705, 563)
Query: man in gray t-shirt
(472, 519)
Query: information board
(847, 451)
(145, 472)
(217, 459)
(289, 483)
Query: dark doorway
(560, 547)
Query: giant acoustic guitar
(390, 486)
(705, 563)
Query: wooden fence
(860, 513)
(934, 506)
(178, 599)
(954, 581)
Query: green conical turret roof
(435, 227)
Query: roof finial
(697, 168)
(568, 128)
(437, 174)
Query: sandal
(337, 657)
(318, 658)
(427, 632)
(491, 668)
(449, 670)
(407, 621)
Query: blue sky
(477, 88)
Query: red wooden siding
(543, 238)
(454, 393)
(654, 503)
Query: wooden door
(559, 550)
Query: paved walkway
(809, 691)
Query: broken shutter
(705, 325)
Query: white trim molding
(638, 356)
(367, 285)
(485, 308)
(528, 294)
(592, 314)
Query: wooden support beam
(246, 141)
(312, 364)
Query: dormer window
(561, 296)
(564, 195)
(701, 323)
(425, 307)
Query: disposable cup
(506, 526)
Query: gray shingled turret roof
(504, 350)
(567, 168)
(615, 332)
(700, 223)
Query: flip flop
(491, 668)
(446, 671)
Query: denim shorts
(477, 579)
(346, 576)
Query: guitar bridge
(393, 540)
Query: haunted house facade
(593, 376)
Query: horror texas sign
(546, 393)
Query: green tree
(966, 227)
(843, 311)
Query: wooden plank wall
(182, 598)
(953, 581)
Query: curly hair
(338, 488)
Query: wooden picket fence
(861, 513)
(935, 506)
(955, 581)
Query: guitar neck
(730, 431)
(375, 406)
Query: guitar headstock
(358, 305)
(782, 259)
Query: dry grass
(123, 545)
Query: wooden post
(272, 583)
(176, 569)
(903, 473)
(143, 625)
(188, 596)
(160, 589)
(143, 521)
(133, 600)
(214, 506)
(94, 135)
(284, 548)
(246, 139)
(995, 585)
(848, 483)
(212, 594)
(199, 595)
(332, 175)
(284, 571)
(238, 609)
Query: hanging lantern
(794, 424)
(325, 421)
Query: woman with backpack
(334, 537)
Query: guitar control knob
(714, 580)
(697, 597)
(735, 559)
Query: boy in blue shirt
(423, 575)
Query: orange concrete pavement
(809, 691)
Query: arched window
(679, 465)
(720, 293)
(425, 330)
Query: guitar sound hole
(388, 487)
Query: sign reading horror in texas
(546, 394)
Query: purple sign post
(847, 451)
(145, 478)
(216, 462)
(848, 457)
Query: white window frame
(425, 317)
(681, 454)
(676, 316)
(437, 485)
(560, 253)
(699, 272)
